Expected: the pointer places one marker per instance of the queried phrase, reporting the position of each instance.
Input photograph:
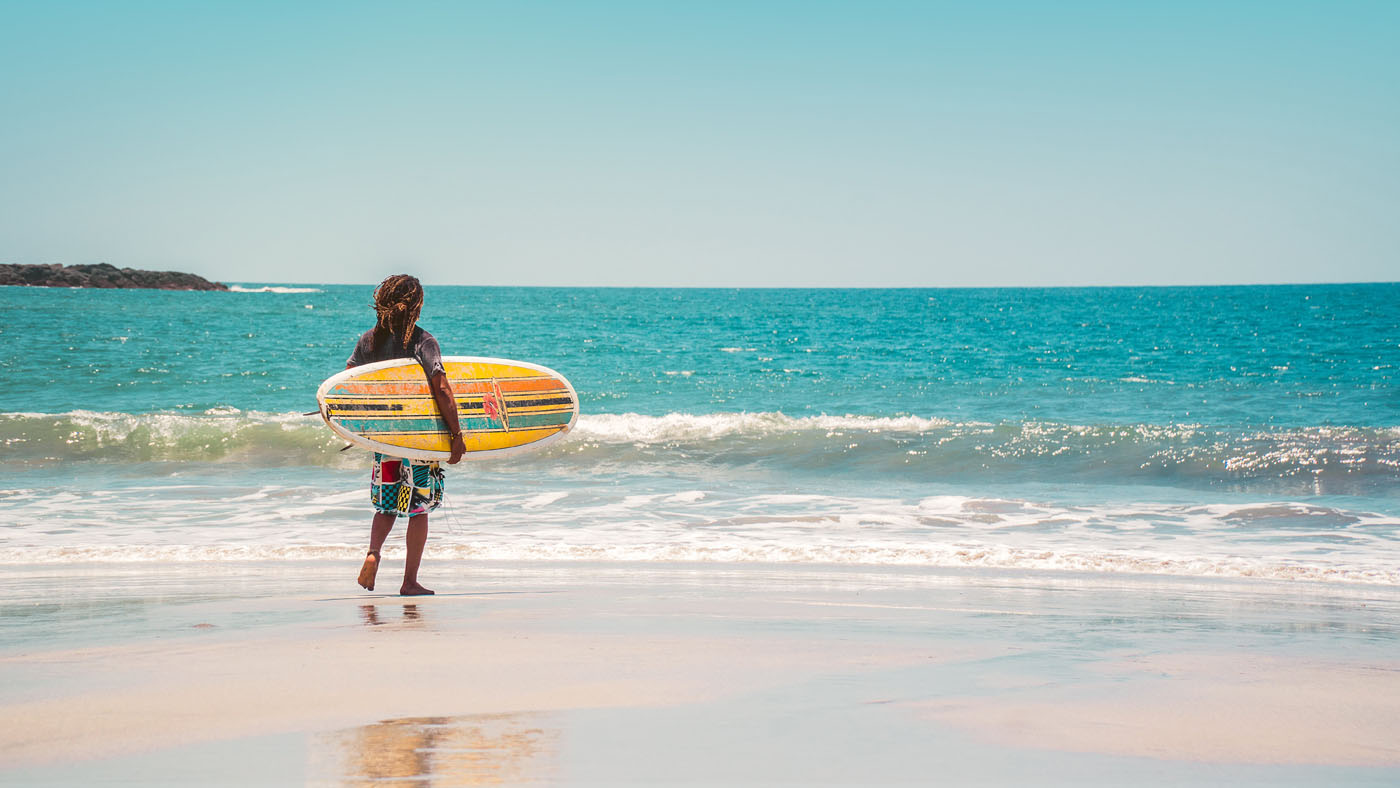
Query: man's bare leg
(378, 532)
(417, 539)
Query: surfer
(400, 486)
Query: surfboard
(504, 407)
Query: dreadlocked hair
(397, 301)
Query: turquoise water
(1294, 356)
(1229, 430)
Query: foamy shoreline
(1035, 562)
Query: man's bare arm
(447, 406)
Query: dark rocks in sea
(102, 275)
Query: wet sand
(1217, 708)
(598, 674)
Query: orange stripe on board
(393, 388)
(381, 388)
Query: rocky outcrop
(102, 275)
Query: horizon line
(826, 287)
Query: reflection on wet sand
(410, 615)
(489, 749)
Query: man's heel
(369, 570)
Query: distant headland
(101, 275)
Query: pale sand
(596, 674)
(166, 695)
(1227, 709)
(559, 639)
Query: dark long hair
(397, 301)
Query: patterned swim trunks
(407, 487)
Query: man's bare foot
(369, 570)
(413, 589)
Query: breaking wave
(1316, 460)
(212, 436)
(273, 289)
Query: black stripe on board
(359, 406)
(535, 403)
(518, 403)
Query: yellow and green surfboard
(504, 407)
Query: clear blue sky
(706, 143)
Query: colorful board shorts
(407, 487)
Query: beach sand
(582, 674)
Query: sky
(732, 144)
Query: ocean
(1246, 432)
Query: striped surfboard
(504, 407)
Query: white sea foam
(947, 557)
(689, 496)
(181, 521)
(637, 428)
(273, 289)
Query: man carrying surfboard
(400, 486)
